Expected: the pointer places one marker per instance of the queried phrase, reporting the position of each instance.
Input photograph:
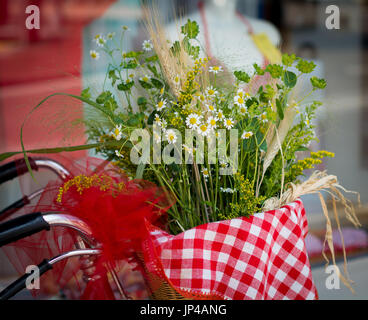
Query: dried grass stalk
(172, 65)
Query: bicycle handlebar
(21, 283)
(15, 168)
(22, 227)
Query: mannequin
(228, 36)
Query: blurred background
(38, 62)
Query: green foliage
(305, 66)
(275, 70)
(318, 83)
(290, 79)
(242, 76)
(190, 29)
(288, 60)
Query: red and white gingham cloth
(261, 257)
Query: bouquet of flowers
(224, 146)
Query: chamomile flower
(118, 154)
(117, 133)
(147, 45)
(171, 136)
(247, 135)
(125, 28)
(94, 54)
(223, 164)
(243, 110)
(205, 172)
(193, 121)
(228, 123)
(145, 78)
(263, 117)
(211, 107)
(161, 105)
(204, 129)
(211, 92)
(100, 41)
(239, 101)
(216, 69)
(160, 122)
(212, 122)
(110, 35)
(220, 115)
(177, 81)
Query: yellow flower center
(220, 115)
(193, 120)
(117, 131)
(263, 116)
(203, 128)
(171, 137)
(94, 55)
(211, 108)
(160, 104)
(213, 122)
(240, 100)
(216, 68)
(205, 172)
(229, 122)
(211, 92)
(145, 79)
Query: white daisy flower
(125, 28)
(229, 123)
(171, 136)
(216, 69)
(145, 78)
(147, 45)
(100, 41)
(118, 154)
(177, 81)
(193, 121)
(212, 122)
(94, 54)
(263, 117)
(205, 172)
(220, 115)
(243, 110)
(239, 101)
(211, 107)
(110, 35)
(247, 134)
(116, 133)
(161, 105)
(223, 164)
(204, 129)
(211, 92)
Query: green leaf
(242, 76)
(141, 101)
(302, 148)
(130, 65)
(153, 69)
(193, 51)
(145, 85)
(157, 83)
(318, 83)
(113, 76)
(85, 93)
(153, 58)
(132, 54)
(190, 29)
(290, 79)
(280, 109)
(258, 69)
(101, 99)
(125, 86)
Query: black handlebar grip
(21, 283)
(15, 168)
(15, 206)
(22, 227)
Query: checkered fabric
(261, 257)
